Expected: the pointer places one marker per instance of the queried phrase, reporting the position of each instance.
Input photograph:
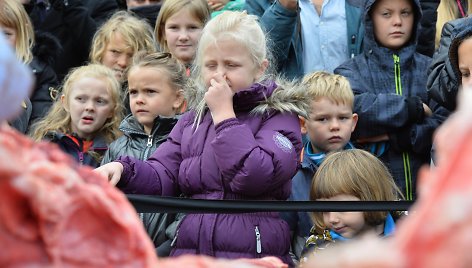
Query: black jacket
(427, 32)
(20, 123)
(443, 82)
(74, 23)
(45, 54)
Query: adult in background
(310, 35)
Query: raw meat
(56, 213)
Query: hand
(383, 137)
(112, 171)
(289, 4)
(427, 110)
(216, 5)
(219, 98)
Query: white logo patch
(283, 142)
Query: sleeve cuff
(127, 173)
(415, 110)
(226, 124)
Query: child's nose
(89, 106)
(397, 19)
(334, 124)
(123, 61)
(333, 217)
(183, 35)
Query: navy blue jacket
(395, 109)
(68, 145)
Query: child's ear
(179, 101)
(355, 118)
(65, 105)
(262, 68)
(302, 124)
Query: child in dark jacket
(86, 117)
(328, 126)
(350, 175)
(396, 118)
(240, 140)
(155, 86)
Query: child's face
(89, 105)
(233, 61)
(465, 61)
(10, 35)
(182, 32)
(151, 94)
(117, 55)
(393, 22)
(347, 224)
(329, 125)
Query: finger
(213, 83)
(115, 178)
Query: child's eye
(386, 14)
(406, 13)
(102, 101)
(151, 91)
(133, 92)
(321, 119)
(210, 66)
(465, 74)
(80, 99)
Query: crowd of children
(201, 107)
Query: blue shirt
(323, 37)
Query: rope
(147, 204)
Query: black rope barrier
(146, 203)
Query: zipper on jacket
(353, 42)
(398, 78)
(174, 241)
(405, 155)
(258, 241)
(149, 142)
(81, 158)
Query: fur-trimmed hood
(263, 97)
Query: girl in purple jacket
(239, 141)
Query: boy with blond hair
(328, 128)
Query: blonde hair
(58, 119)
(198, 8)
(235, 26)
(447, 11)
(13, 15)
(334, 87)
(353, 172)
(137, 33)
(176, 71)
